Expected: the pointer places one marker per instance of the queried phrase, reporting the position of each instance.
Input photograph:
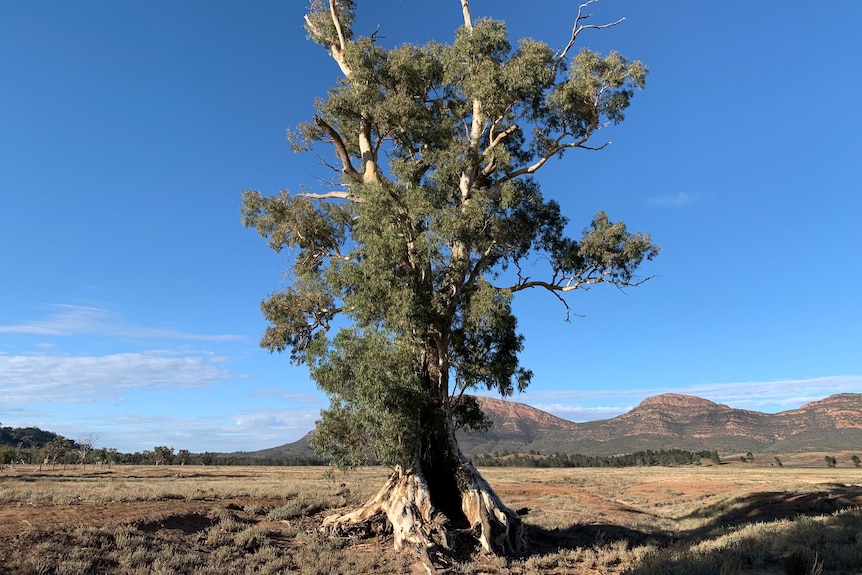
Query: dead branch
(577, 28)
(580, 143)
(574, 283)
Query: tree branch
(574, 283)
(541, 162)
(499, 138)
(335, 50)
(577, 28)
(337, 23)
(465, 9)
(340, 149)
(367, 149)
(325, 196)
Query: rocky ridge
(675, 421)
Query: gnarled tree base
(405, 502)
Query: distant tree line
(647, 458)
(32, 446)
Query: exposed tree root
(498, 529)
(404, 502)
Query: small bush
(288, 511)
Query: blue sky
(130, 289)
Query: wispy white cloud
(71, 320)
(245, 431)
(579, 413)
(776, 395)
(677, 200)
(274, 425)
(78, 379)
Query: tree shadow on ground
(835, 538)
(544, 541)
(766, 506)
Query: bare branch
(335, 50)
(595, 148)
(577, 28)
(481, 265)
(341, 43)
(585, 279)
(340, 150)
(314, 29)
(465, 8)
(499, 138)
(376, 32)
(541, 162)
(574, 283)
(325, 196)
(489, 169)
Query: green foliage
(7, 455)
(56, 449)
(467, 414)
(163, 455)
(647, 458)
(830, 461)
(401, 281)
(25, 436)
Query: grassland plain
(736, 518)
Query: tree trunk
(438, 499)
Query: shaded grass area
(756, 532)
(265, 521)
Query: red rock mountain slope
(674, 421)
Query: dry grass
(710, 520)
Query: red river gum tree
(402, 272)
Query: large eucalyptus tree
(402, 272)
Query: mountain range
(667, 421)
(675, 421)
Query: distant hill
(25, 436)
(668, 421)
(518, 427)
(299, 451)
